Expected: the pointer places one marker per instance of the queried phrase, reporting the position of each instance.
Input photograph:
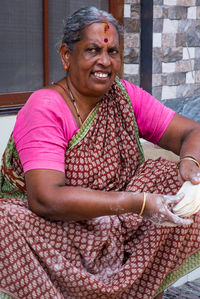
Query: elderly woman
(81, 212)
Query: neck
(82, 104)
(85, 102)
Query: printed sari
(120, 257)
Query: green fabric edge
(190, 264)
(84, 129)
(86, 126)
(6, 188)
(5, 296)
(120, 84)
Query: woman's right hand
(158, 209)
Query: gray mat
(189, 290)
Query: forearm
(191, 144)
(49, 197)
(100, 203)
(75, 203)
(190, 158)
(182, 137)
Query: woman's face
(95, 60)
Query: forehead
(96, 33)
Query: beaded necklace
(75, 106)
(70, 95)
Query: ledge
(152, 151)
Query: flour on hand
(190, 204)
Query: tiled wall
(176, 47)
(131, 40)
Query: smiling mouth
(101, 75)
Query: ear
(64, 55)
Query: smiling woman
(78, 203)
(93, 65)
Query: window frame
(11, 103)
(146, 45)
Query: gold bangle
(143, 205)
(188, 158)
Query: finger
(194, 177)
(173, 199)
(189, 174)
(181, 180)
(178, 220)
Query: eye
(113, 51)
(92, 50)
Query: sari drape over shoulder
(120, 257)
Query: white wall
(6, 127)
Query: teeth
(101, 75)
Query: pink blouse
(45, 125)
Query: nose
(104, 59)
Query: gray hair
(82, 18)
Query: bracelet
(143, 205)
(188, 158)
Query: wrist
(188, 158)
(143, 205)
(131, 202)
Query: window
(30, 33)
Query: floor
(189, 290)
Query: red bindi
(106, 28)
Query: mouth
(101, 75)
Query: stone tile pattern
(176, 47)
(188, 107)
(132, 40)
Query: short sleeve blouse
(45, 125)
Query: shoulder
(44, 108)
(151, 115)
(139, 97)
(131, 88)
(47, 98)
(43, 104)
